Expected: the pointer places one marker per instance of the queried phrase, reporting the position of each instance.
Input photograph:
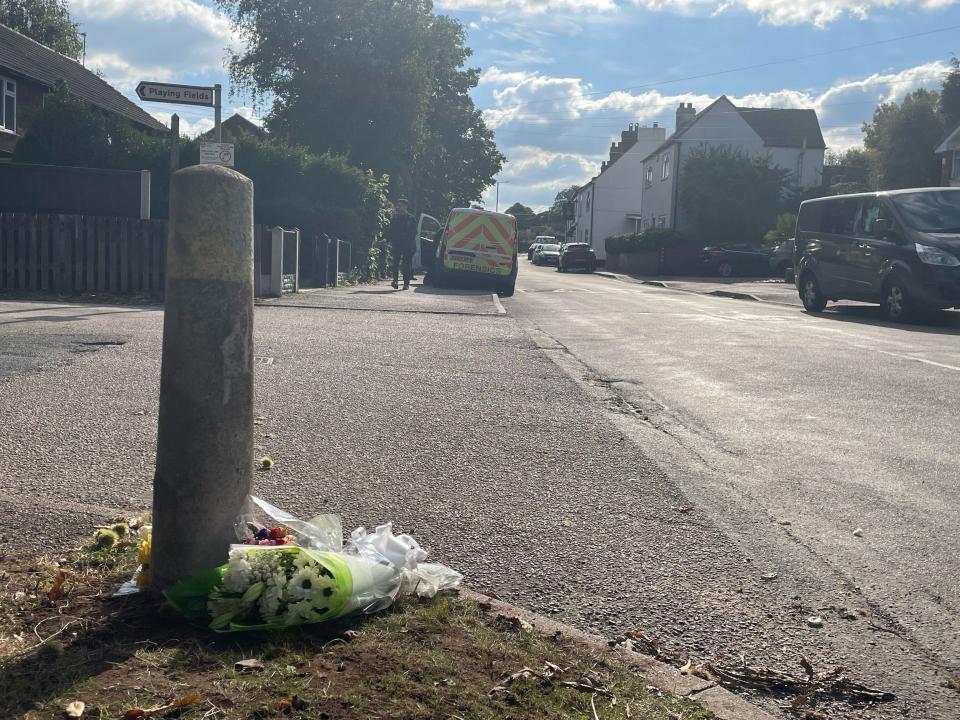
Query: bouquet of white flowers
(269, 583)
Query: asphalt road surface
(824, 446)
(620, 456)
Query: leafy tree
(783, 230)
(901, 140)
(379, 82)
(950, 95)
(728, 196)
(46, 21)
(457, 157)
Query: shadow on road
(942, 322)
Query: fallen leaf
(293, 702)
(248, 665)
(350, 634)
(185, 701)
(516, 622)
(56, 591)
(74, 709)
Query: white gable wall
(618, 190)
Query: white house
(949, 150)
(791, 138)
(610, 203)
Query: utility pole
(499, 183)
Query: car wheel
(725, 269)
(813, 299)
(895, 302)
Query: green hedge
(650, 239)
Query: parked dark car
(546, 254)
(577, 256)
(899, 248)
(781, 261)
(532, 249)
(740, 259)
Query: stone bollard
(205, 432)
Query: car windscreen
(930, 211)
(548, 247)
(579, 246)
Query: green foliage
(901, 140)
(950, 96)
(46, 21)
(728, 196)
(651, 239)
(784, 229)
(293, 187)
(379, 82)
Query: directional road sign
(179, 94)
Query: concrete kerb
(734, 295)
(720, 701)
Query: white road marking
(919, 360)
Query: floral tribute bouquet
(270, 583)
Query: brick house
(28, 71)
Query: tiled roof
(29, 59)
(785, 128)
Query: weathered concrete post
(205, 435)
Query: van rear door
(480, 242)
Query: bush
(651, 239)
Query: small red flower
(278, 533)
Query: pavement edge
(720, 701)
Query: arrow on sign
(179, 94)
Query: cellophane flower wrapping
(287, 571)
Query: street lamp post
(499, 183)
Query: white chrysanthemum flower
(301, 612)
(302, 583)
(238, 576)
(321, 591)
(269, 604)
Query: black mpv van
(900, 248)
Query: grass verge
(68, 640)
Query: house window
(8, 104)
(649, 174)
(588, 203)
(956, 165)
(665, 173)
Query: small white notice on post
(216, 154)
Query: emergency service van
(476, 246)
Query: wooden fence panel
(44, 223)
(33, 282)
(124, 257)
(20, 221)
(7, 231)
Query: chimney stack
(686, 114)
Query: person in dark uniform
(400, 235)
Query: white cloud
(555, 131)
(133, 40)
(122, 74)
(775, 12)
(185, 12)
(187, 127)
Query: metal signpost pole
(217, 135)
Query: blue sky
(562, 78)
